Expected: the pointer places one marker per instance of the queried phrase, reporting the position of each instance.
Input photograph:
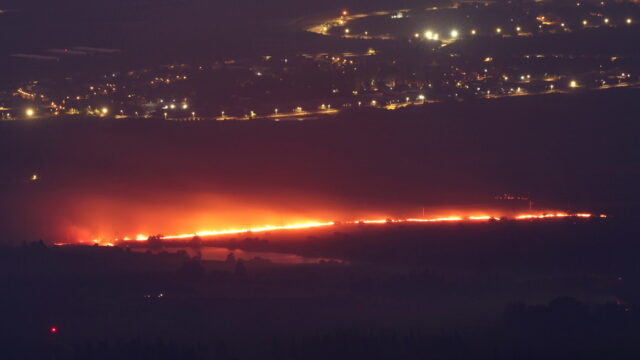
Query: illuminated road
(325, 26)
(460, 83)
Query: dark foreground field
(558, 289)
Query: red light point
(53, 330)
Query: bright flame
(240, 231)
(319, 224)
(542, 216)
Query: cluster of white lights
(430, 35)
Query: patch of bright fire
(310, 225)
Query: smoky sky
(154, 176)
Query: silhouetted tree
(231, 259)
(196, 242)
(192, 269)
(241, 270)
(155, 241)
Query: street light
(454, 34)
(29, 112)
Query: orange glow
(240, 231)
(541, 216)
(449, 218)
(319, 224)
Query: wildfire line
(310, 225)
